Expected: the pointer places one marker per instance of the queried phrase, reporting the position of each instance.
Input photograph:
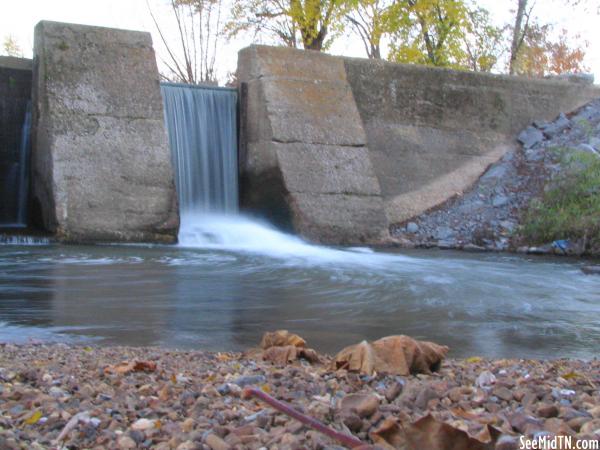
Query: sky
(18, 19)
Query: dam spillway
(202, 127)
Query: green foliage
(570, 209)
(312, 23)
(444, 33)
(10, 47)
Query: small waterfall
(23, 189)
(202, 127)
(16, 183)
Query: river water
(231, 279)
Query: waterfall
(23, 189)
(16, 183)
(202, 127)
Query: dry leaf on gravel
(281, 338)
(397, 355)
(132, 366)
(429, 433)
(289, 353)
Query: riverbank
(539, 198)
(193, 400)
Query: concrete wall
(15, 92)
(306, 163)
(345, 147)
(101, 163)
(432, 132)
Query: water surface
(229, 281)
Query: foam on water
(237, 233)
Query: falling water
(24, 168)
(15, 186)
(202, 127)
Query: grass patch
(570, 207)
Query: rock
(547, 410)
(499, 200)
(143, 424)
(412, 227)
(444, 233)
(506, 442)
(393, 390)
(353, 422)
(250, 380)
(425, 395)
(126, 443)
(530, 136)
(503, 393)
(215, 442)
(591, 427)
(558, 126)
(485, 379)
(364, 405)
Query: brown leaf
(398, 355)
(428, 433)
(132, 366)
(281, 338)
(285, 355)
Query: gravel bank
(192, 400)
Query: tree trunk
(518, 35)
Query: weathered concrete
(101, 163)
(307, 164)
(346, 147)
(15, 92)
(433, 132)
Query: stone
(547, 410)
(424, 396)
(364, 405)
(503, 393)
(126, 443)
(499, 200)
(412, 227)
(530, 136)
(485, 379)
(100, 121)
(553, 129)
(215, 442)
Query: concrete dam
(334, 149)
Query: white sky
(18, 19)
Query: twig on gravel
(343, 438)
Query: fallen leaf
(571, 375)
(281, 338)
(473, 359)
(397, 355)
(34, 418)
(285, 355)
(431, 434)
(133, 366)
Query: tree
(311, 23)
(199, 26)
(541, 55)
(482, 41)
(370, 20)
(11, 47)
(429, 32)
(519, 32)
